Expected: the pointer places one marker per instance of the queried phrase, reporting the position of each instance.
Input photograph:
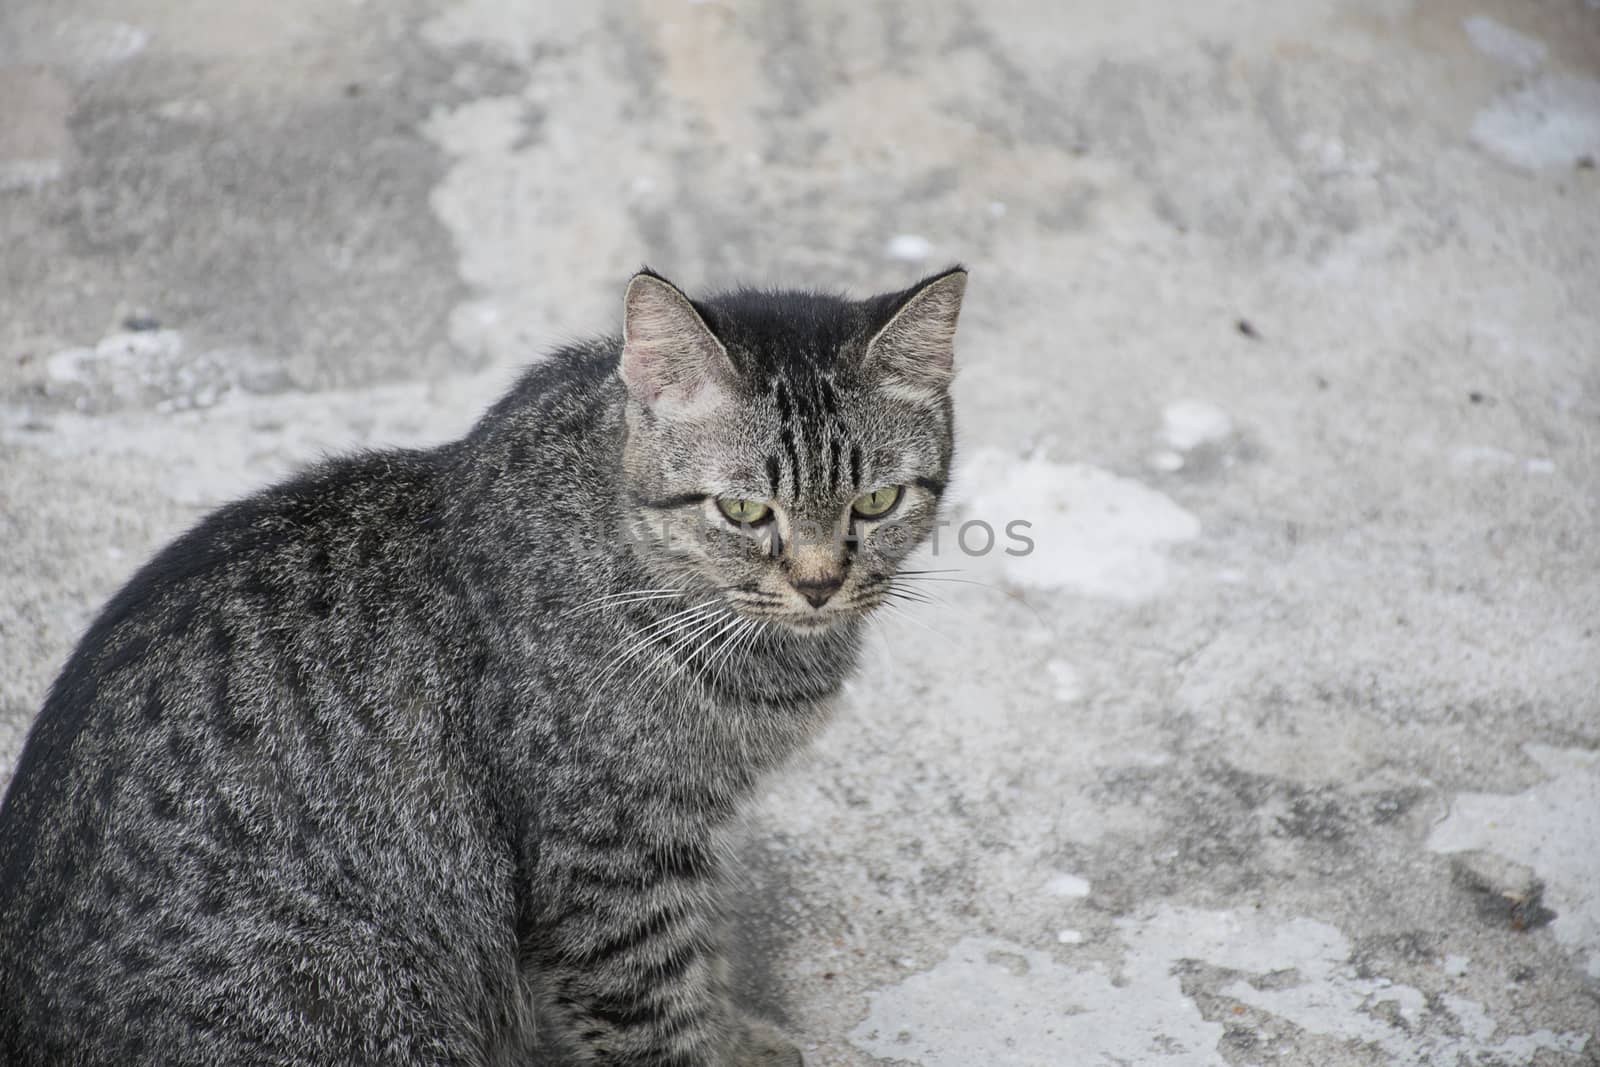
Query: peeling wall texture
(1283, 746)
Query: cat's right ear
(672, 363)
(913, 354)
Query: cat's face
(787, 451)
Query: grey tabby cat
(429, 757)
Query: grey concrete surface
(1283, 746)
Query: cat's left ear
(672, 363)
(913, 354)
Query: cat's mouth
(788, 612)
(815, 621)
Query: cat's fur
(381, 765)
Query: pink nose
(818, 590)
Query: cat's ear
(913, 354)
(671, 361)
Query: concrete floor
(1283, 746)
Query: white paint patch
(910, 247)
(1481, 456)
(1188, 424)
(1554, 828)
(1093, 532)
(187, 110)
(1068, 686)
(85, 44)
(1067, 885)
(1551, 121)
(29, 173)
(131, 351)
(994, 1002)
(1165, 461)
(1502, 43)
(1069, 937)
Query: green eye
(743, 512)
(877, 503)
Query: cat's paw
(764, 1045)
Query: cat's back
(260, 764)
(218, 741)
(360, 559)
(235, 585)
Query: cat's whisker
(677, 665)
(632, 596)
(899, 612)
(623, 593)
(666, 625)
(747, 642)
(666, 658)
(910, 594)
(713, 670)
(1009, 594)
(652, 634)
(705, 643)
(896, 599)
(913, 576)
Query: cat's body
(387, 764)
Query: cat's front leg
(761, 1044)
(636, 975)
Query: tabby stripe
(631, 938)
(773, 475)
(855, 467)
(787, 437)
(830, 399)
(628, 1015)
(672, 967)
(932, 485)
(833, 465)
(785, 409)
(688, 861)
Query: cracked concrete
(1280, 748)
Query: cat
(430, 757)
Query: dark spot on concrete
(1247, 329)
(1476, 397)
(1521, 909)
(1389, 806)
(1315, 819)
(1283, 979)
(1584, 163)
(141, 323)
(1389, 1012)
(1237, 1038)
(1376, 955)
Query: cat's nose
(818, 590)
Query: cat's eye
(743, 512)
(876, 504)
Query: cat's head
(787, 450)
